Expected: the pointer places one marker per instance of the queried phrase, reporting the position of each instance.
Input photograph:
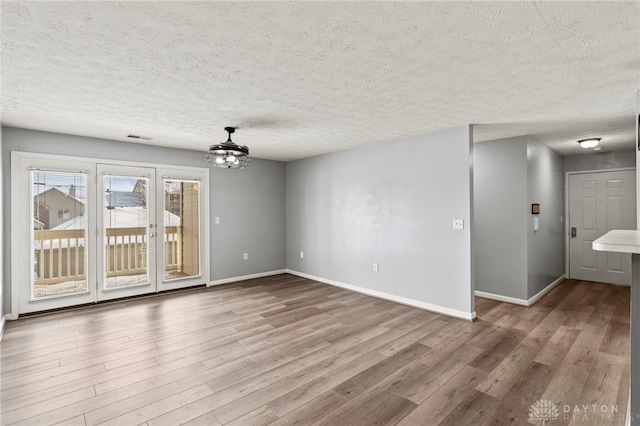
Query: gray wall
(545, 247)
(251, 206)
(600, 161)
(351, 209)
(500, 232)
(2, 240)
(249, 202)
(510, 258)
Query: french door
(182, 235)
(85, 232)
(126, 239)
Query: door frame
(565, 218)
(18, 208)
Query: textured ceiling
(307, 78)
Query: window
(182, 228)
(59, 258)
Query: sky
(43, 181)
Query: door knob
(574, 232)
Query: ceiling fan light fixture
(589, 143)
(229, 155)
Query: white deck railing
(59, 255)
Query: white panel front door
(598, 203)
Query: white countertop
(622, 241)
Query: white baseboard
(386, 296)
(501, 298)
(246, 277)
(3, 322)
(522, 302)
(546, 290)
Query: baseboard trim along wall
(517, 301)
(3, 322)
(386, 296)
(501, 298)
(246, 277)
(546, 290)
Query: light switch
(458, 224)
(216, 220)
(536, 224)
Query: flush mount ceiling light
(227, 154)
(589, 143)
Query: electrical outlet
(375, 267)
(301, 254)
(246, 256)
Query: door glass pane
(181, 229)
(59, 224)
(126, 222)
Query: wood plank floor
(284, 350)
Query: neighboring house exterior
(124, 199)
(53, 207)
(172, 198)
(140, 187)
